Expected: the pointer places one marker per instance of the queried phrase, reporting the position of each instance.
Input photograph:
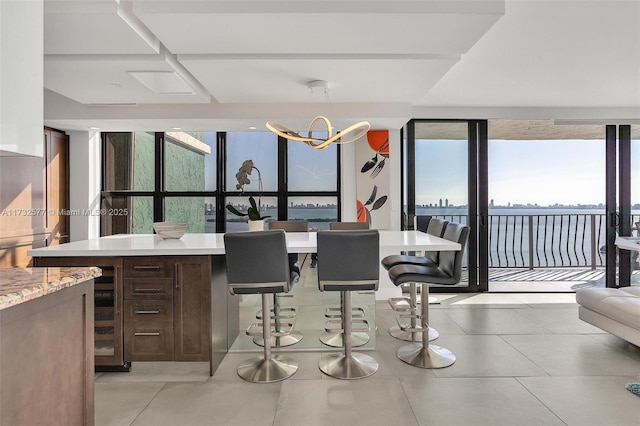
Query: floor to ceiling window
(437, 178)
(312, 184)
(536, 194)
(191, 177)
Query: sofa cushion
(621, 305)
(634, 290)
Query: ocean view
(568, 236)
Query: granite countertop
(19, 285)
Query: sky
(539, 172)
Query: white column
(84, 184)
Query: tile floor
(522, 359)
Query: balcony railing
(544, 240)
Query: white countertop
(213, 244)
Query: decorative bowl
(169, 230)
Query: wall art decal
(372, 182)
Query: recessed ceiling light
(175, 128)
(252, 127)
(94, 128)
(115, 85)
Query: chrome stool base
(409, 336)
(355, 366)
(259, 370)
(334, 339)
(282, 341)
(431, 356)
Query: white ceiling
(384, 61)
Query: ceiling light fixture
(350, 134)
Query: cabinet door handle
(154, 267)
(116, 293)
(146, 290)
(146, 312)
(176, 275)
(146, 334)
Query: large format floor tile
(587, 401)
(475, 401)
(521, 359)
(559, 320)
(493, 321)
(575, 355)
(117, 404)
(343, 402)
(484, 356)
(211, 402)
(160, 371)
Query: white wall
(349, 176)
(84, 184)
(21, 77)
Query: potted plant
(256, 220)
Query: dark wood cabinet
(192, 309)
(34, 200)
(148, 308)
(46, 373)
(107, 306)
(167, 304)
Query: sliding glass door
(440, 180)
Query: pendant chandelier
(350, 134)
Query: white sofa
(616, 310)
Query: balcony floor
(548, 279)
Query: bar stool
(348, 261)
(448, 272)
(332, 336)
(257, 263)
(279, 313)
(409, 304)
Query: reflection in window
(310, 169)
(268, 208)
(129, 161)
(198, 212)
(318, 211)
(262, 148)
(126, 215)
(190, 162)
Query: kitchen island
(46, 346)
(169, 295)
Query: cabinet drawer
(158, 313)
(148, 267)
(148, 343)
(148, 288)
